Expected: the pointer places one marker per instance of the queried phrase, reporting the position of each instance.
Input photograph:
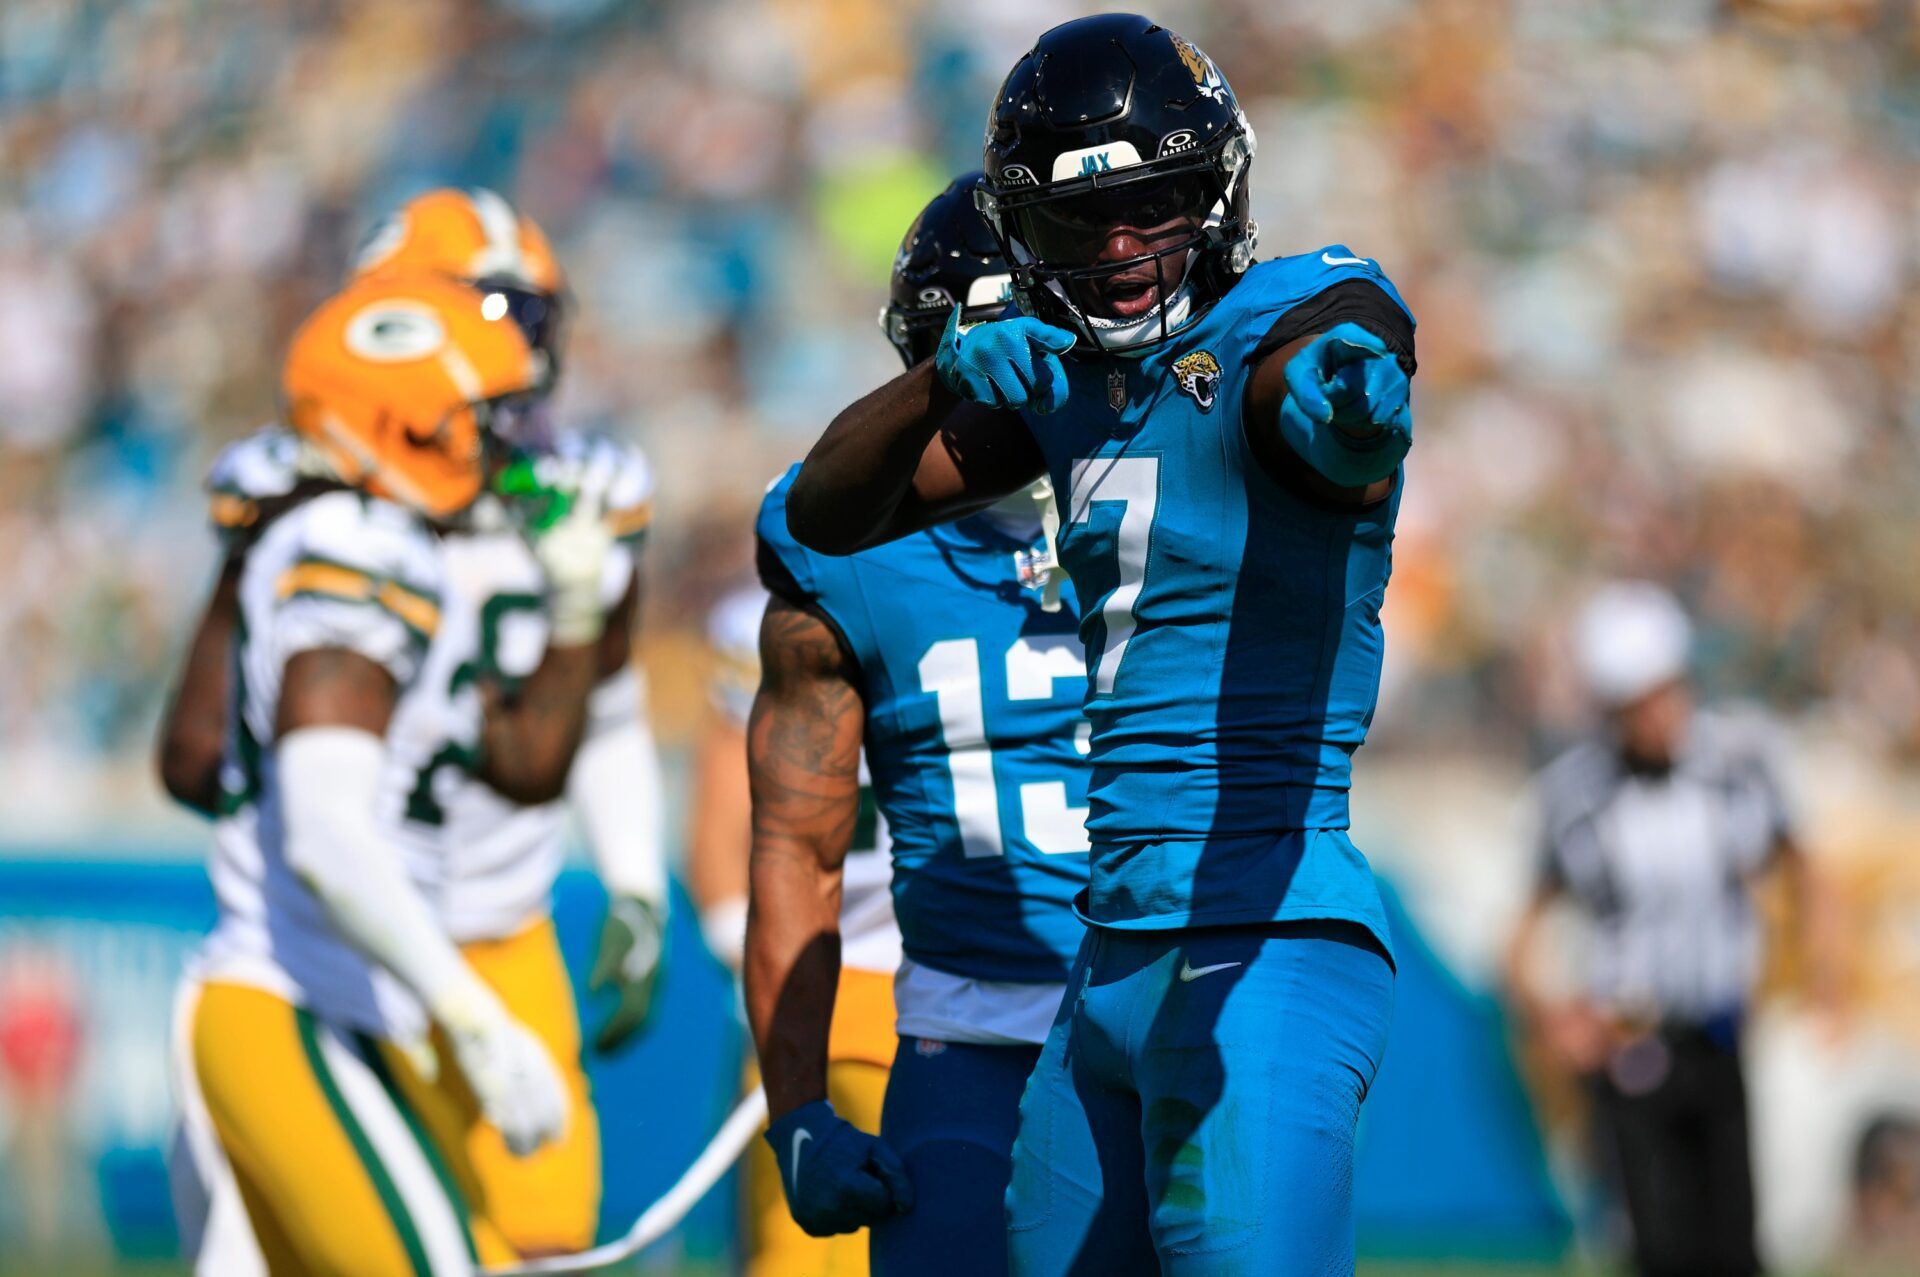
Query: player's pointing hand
(1007, 363)
(1347, 376)
(838, 1178)
(1347, 409)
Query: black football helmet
(949, 258)
(1116, 121)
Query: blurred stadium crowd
(1662, 253)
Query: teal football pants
(1193, 1110)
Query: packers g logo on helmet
(395, 332)
(393, 381)
(1197, 373)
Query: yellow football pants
(860, 1055)
(548, 1202)
(335, 1178)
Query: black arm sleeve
(1351, 301)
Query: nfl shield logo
(1117, 389)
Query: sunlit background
(1663, 254)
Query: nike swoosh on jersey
(1331, 260)
(1189, 972)
(799, 1137)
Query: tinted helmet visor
(1070, 231)
(539, 316)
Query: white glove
(509, 1069)
(573, 554)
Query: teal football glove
(1005, 363)
(631, 947)
(1348, 409)
(838, 1178)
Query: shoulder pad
(1294, 279)
(357, 549)
(792, 564)
(256, 468)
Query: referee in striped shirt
(1654, 830)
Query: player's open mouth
(1130, 295)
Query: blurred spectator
(1884, 1233)
(1655, 830)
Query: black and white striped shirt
(1661, 864)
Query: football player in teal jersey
(1227, 438)
(952, 659)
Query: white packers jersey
(340, 570)
(498, 859)
(501, 858)
(869, 936)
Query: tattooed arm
(803, 757)
(528, 739)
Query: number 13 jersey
(973, 736)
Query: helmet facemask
(916, 333)
(1053, 235)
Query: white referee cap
(1630, 638)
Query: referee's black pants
(1671, 1121)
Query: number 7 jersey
(1232, 626)
(973, 737)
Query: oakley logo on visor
(1094, 159)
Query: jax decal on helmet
(1117, 121)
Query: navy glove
(1348, 410)
(838, 1178)
(1006, 363)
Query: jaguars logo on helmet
(1205, 74)
(1197, 373)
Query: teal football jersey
(1232, 628)
(974, 736)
